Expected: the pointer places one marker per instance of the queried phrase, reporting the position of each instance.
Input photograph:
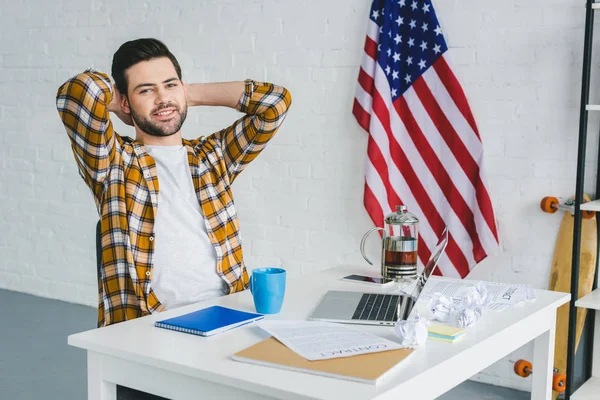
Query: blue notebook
(209, 321)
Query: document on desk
(500, 295)
(316, 340)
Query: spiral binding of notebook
(179, 329)
(208, 321)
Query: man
(170, 233)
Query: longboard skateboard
(560, 281)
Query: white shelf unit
(591, 206)
(593, 107)
(590, 301)
(590, 390)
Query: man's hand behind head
(115, 107)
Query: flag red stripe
(365, 81)
(455, 91)
(363, 117)
(431, 214)
(455, 199)
(372, 206)
(485, 206)
(371, 48)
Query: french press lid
(401, 217)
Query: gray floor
(36, 362)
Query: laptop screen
(407, 306)
(432, 263)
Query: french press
(399, 245)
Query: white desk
(181, 366)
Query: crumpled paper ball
(466, 317)
(473, 296)
(441, 307)
(412, 331)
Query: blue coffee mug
(267, 286)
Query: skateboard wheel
(523, 368)
(549, 204)
(559, 382)
(587, 214)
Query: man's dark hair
(135, 51)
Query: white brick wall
(300, 203)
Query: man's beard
(161, 129)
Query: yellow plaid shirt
(122, 177)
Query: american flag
(424, 149)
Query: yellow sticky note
(444, 330)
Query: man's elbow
(277, 112)
(286, 100)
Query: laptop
(376, 308)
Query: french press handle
(363, 241)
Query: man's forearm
(226, 94)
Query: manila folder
(366, 368)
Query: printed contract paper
(501, 295)
(315, 340)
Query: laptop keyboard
(377, 307)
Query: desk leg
(98, 388)
(543, 363)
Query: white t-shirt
(184, 264)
